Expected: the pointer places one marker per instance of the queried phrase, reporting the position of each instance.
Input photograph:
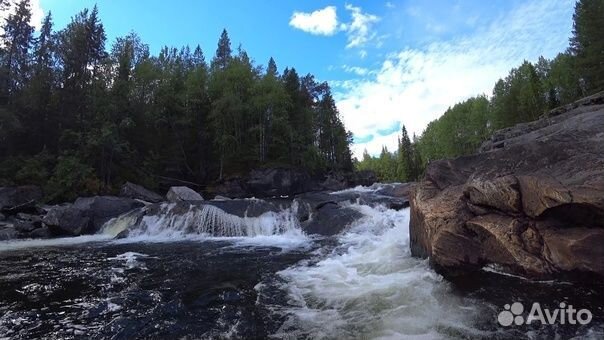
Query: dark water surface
(176, 289)
(362, 284)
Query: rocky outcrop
(86, 215)
(177, 194)
(135, 191)
(531, 201)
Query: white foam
(130, 260)
(55, 242)
(209, 223)
(370, 286)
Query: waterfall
(177, 219)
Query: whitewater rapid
(369, 286)
(257, 276)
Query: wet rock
(220, 198)
(243, 207)
(67, 220)
(42, 232)
(176, 194)
(86, 215)
(17, 199)
(330, 219)
(135, 191)
(401, 190)
(532, 201)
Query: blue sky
(389, 62)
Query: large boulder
(16, 199)
(135, 191)
(86, 215)
(177, 194)
(330, 219)
(531, 202)
(400, 190)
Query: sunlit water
(260, 278)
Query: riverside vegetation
(79, 118)
(526, 93)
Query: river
(167, 282)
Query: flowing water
(206, 274)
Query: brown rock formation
(531, 201)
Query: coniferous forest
(80, 115)
(523, 95)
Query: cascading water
(214, 274)
(179, 220)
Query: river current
(275, 281)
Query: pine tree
(587, 43)
(18, 39)
(272, 68)
(223, 52)
(40, 89)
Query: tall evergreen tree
(223, 51)
(587, 43)
(18, 38)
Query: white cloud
(359, 30)
(360, 71)
(390, 5)
(37, 14)
(415, 86)
(320, 22)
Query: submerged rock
(531, 202)
(176, 194)
(330, 219)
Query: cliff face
(531, 201)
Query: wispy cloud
(359, 30)
(360, 71)
(320, 22)
(416, 85)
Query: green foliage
(587, 43)
(124, 114)
(525, 94)
(71, 179)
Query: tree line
(527, 92)
(77, 117)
